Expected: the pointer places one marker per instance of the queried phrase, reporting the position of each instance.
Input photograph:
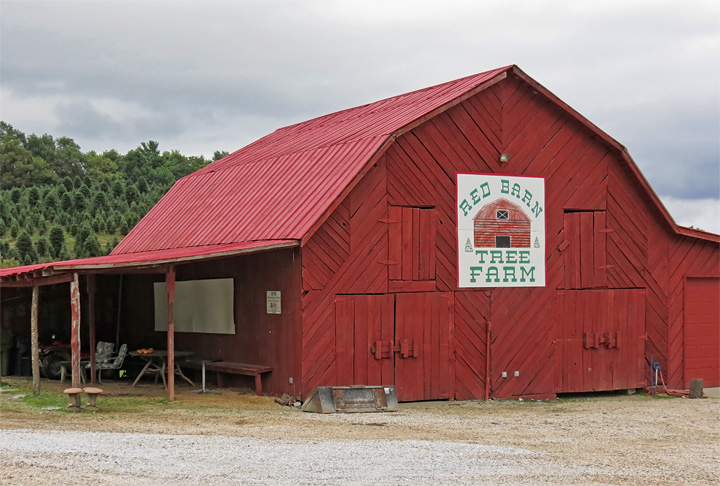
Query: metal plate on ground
(349, 399)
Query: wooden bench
(235, 369)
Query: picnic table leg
(162, 373)
(142, 372)
(179, 372)
(258, 384)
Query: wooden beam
(35, 349)
(75, 330)
(37, 281)
(90, 281)
(170, 284)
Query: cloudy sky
(200, 76)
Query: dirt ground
(614, 438)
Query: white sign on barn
(501, 230)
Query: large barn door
(702, 330)
(364, 333)
(423, 333)
(600, 340)
(401, 340)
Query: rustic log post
(91, 325)
(34, 346)
(696, 388)
(75, 330)
(170, 284)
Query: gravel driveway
(236, 439)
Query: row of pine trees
(58, 203)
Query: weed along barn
(476, 239)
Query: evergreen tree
(142, 185)
(118, 189)
(42, 247)
(64, 253)
(123, 228)
(41, 224)
(3, 227)
(82, 234)
(15, 194)
(33, 196)
(14, 228)
(14, 254)
(57, 240)
(28, 260)
(67, 184)
(100, 200)
(104, 187)
(67, 201)
(98, 224)
(79, 201)
(76, 182)
(25, 247)
(91, 246)
(51, 200)
(110, 225)
(131, 192)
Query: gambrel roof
(278, 190)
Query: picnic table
(156, 363)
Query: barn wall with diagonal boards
(687, 257)
(349, 254)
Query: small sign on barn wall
(501, 231)
(273, 302)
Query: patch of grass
(45, 399)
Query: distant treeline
(58, 203)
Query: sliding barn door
(364, 333)
(423, 329)
(600, 340)
(396, 339)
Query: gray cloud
(202, 76)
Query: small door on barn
(423, 331)
(702, 330)
(411, 249)
(402, 340)
(600, 340)
(584, 249)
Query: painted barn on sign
(347, 254)
(502, 224)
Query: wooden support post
(34, 347)
(75, 330)
(170, 284)
(91, 325)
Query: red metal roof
(280, 185)
(159, 257)
(272, 192)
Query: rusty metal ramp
(350, 399)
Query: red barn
(350, 222)
(501, 224)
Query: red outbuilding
(338, 239)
